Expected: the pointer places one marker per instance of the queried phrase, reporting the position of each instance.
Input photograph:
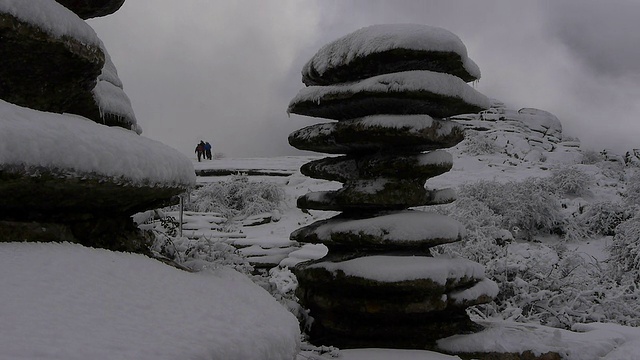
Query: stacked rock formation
(389, 87)
(66, 173)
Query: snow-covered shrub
(476, 143)
(601, 218)
(570, 181)
(590, 157)
(527, 207)
(236, 198)
(625, 250)
(199, 254)
(631, 193)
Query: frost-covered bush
(570, 181)
(527, 208)
(476, 143)
(625, 250)
(199, 254)
(236, 198)
(602, 218)
(631, 193)
(590, 157)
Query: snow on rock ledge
(66, 301)
(342, 60)
(35, 139)
(52, 18)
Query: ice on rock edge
(51, 17)
(73, 143)
(382, 37)
(400, 226)
(417, 80)
(385, 268)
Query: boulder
(410, 92)
(44, 70)
(87, 9)
(343, 200)
(409, 133)
(389, 48)
(415, 231)
(345, 168)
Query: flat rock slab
(42, 194)
(346, 168)
(351, 199)
(392, 231)
(87, 9)
(388, 48)
(410, 92)
(413, 133)
(44, 71)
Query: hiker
(207, 150)
(200, 150)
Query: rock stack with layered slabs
(389, 87)
(73, 166)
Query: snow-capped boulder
(50, 57)
(527, 134)
(87, 9)
(403, 230)
(389, 48)
(59, 168)
(398, 301)
(373, 133)
(410, 92)
(344, 168)
(62, 176)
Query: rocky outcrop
(87, 9)
(43, 71)
(63, 177)
(389, 87)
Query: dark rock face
(42, 72)
(87, 9)
(379, 285)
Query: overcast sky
(225, 71)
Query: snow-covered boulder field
(66, 301)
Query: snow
(438, 83)
(386, 268)
(65, 301)
(383, 37)
(73, 144)
(436, 157)
(52, 18)
(485, 287)
(110, 97)
(415, 123)
(400, 226)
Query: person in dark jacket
(207, 150)
(200, 150)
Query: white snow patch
(383, 37)
(485, 287)
(52, 18)
(71, 143)
(415, 123)
(65, 301)
(436, 157)
(404, 226)
(385, 268)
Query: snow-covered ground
(63, 301)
